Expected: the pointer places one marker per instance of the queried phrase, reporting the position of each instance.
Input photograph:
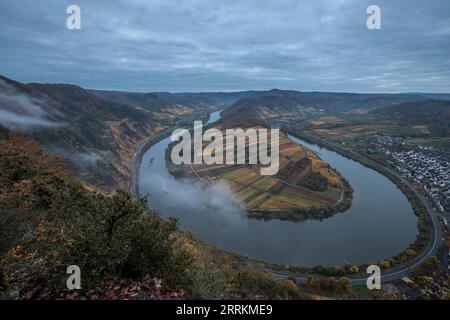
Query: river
(379, 224)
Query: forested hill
(282, 103)
(97, 134)
(49, 221)
(433, 113)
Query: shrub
(208, 283)
(328, 284)
(344, 285)
(384, 264)
(107, 237)
(354, 269)
(254, 284)
(3, 280)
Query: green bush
(121, 237)
(107, 237)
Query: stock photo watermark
(374, 280)
(74, 280)
(373, 22)
(238, 146)
(73, 21)
(229, 150)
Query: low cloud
(88, 158)
(172, 45)
(18, 121)
(19, 111)
(82, 159)
(182, 195)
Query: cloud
(82, 159)
(89, 158)
(175, 45)
(182, 195)
(18, 111)
(17, 121)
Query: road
(392, 274)
(400, 271)
(135, 165)
(136, 160)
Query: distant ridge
(434, 113)
(97, 134)
(285, 103)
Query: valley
(312, 184)
(97, 132)
(213, 216)
(410, 138)
(221, 153)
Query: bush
(3, 280)
(354, 269)
(254, 284)
(117, 236)
(208, 283)
(328, 284)
(344, 285)
(107, 237)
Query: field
(439, 143)
(353, 129)
(303, 182)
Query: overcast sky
(212, 45)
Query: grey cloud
(227, 45)
(180, 195)
(17, 121)
(82, 159)
(19, 111)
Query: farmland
(304, 185)
(410, 139)
(423, 123)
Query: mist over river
(379, 224)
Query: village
(421, 164)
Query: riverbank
(429, 230)
(268, 228)
(299, 215)
(139, 154)
(305, 187)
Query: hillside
(166, 107)
(282, 103)
(125, 250)
(161, 105)
(97, 135)
(305, 187)
(224, 98)
(433, 113)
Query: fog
(18, 121)
(82, 160)
(19, 111)
(352, 236)
(182, 195)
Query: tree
(328, 284)
(428, 268)
(344, 285)
(311, 283)
(354, 269)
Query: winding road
(399, 271)
(392, 274)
